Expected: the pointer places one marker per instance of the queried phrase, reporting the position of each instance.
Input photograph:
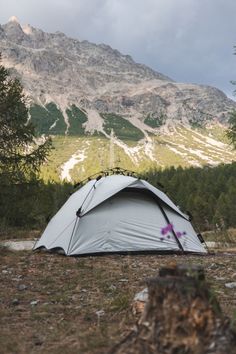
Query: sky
(187, 40)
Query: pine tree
(21, 155)
(231, 132)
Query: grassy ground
(55, 304)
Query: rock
(5, 271)
(142, 295)
(20, 308)
(100, 313)
(24, 245)
(38, 342)
(212, 345)
(34, 302)
(140, 300)
(15, 302)
(213, 266)
(75, 297)
(230, 285)
(219, 278)
(112, 287)
(78, 288)
(22, 287)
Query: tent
(119, 213)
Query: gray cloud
(188, 40)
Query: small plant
(233, 321)
(120, 302)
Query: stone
(24, 245)
(15, 302)
(112, 287)
(22, 287)
(38, 342)
(100, 313)
(34, 302)
(139, 302)
(230, 285)
(142, 295)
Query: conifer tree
(21, 155)
(231, 132)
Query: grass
(225, 236)
(181, 147)
(16, 233)
(97, 157)
(233, 321)
(98, 153)
(120, 302)
(70, 292)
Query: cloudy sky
(188, 40)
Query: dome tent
(119, 213)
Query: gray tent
(119, 214)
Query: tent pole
(173, 231)
(72, 233)
(78, 214)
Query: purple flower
(166, 229)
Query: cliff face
(79, 88)
(66, 71)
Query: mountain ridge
(78, 88)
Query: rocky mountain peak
(27, 29)
(66, 71)
(13, 30)
(14, 19)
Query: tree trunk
(181, 316)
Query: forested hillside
(208, 193)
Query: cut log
(181, 316)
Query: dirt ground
(50, 303)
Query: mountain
(103, 108)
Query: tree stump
(181, 316)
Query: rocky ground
(51, 303)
